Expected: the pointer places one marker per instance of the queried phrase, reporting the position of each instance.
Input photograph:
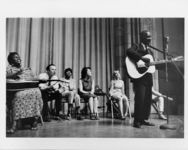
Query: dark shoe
(34, 125)
(137, 125)
(79, 117)
(97, 117)
(68, 117)
(34, 128)
(11, 131)
(53, 112)
(146, 123)
(122, 118)
(62, 116)
(92, 117)
(56, 118)
(161, 116)
(47, 120)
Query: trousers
(143, 97)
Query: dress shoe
(56, 118)
(11, 131)
(137, 125)
(47, 119)
(92, 117)
(122, 118)
(97, 117)
(68, 117)
(146, 123)
(161, 116)
(79, 117)
(34, 126)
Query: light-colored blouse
(117, 88)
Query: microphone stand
(165, 52)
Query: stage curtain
(70, 42)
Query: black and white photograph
(94, 79)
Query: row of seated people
(54, 90)
(29, 103)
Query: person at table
(86, 91)
(26, 103)
(50, 95)
(68, 90)
(117, 92)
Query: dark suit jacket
(135, 53)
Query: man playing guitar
(50, 94)
(142, 85)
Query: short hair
(48, 67)
(84, 72)
(67, 69)
(145, 34)
(114, 73)
(10, 57)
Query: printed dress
(27, 102)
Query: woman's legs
(91, 105)
(95, 100)
(95, 105)
(125, 104)
(120, 105)
(77, 103)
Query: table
(18, 85)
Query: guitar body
(135, 71)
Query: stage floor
(104, 128)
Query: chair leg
(155, 107)
(112, 112)
(41, 119)
(129, 109)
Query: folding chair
(114, 107)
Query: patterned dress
(27, 102)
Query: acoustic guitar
(139, 69)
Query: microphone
(164, 51)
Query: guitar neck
(160, 62)
(165, 61)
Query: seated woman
(26, 103)
(117, 92)
(86, 91)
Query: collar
(143, 46)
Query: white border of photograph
(88, 8)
